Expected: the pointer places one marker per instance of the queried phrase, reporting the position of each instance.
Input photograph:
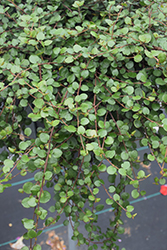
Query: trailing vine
(81, 83)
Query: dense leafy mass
(91, 78)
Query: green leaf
(71, 79)
(164, 121)
(24, 103)
(109, 140)
(135, 194)
(116, 197)
(57, 153)
(27, 187)
(89, 147)
(8, 163)
(44, 137)
(52, 209)
(44, 213)
(101, 112)
(77, 4)
(124, 155)
(55, 123)
(155, 144)
(151, 157)
(160, 81)
(34, 117)
(146, 111)
(111, 43)
(84, 88)
(129, 103)
(1, 189)
(1, 61)
(25, 202)
(102, 168)
(140, 76)
(135, 183)
(38, 103)
(75, 85)
(124, 30)
(138, 58)
(63, 199)
(110, 154)
(99, 207)
(69, 59)
(70, 193)
(128, 20)
(94, 34)
(128, 214)
(122, 172)
(91, 197)
(102, 133)
(129, 90)
(40, 36)
(28, 224)
(15, 69)
(81, 130)
(45, 197)
(137, 123)
(109, 201)
(129, 208)
(125, 195)
(120, 230)
(60, 59)
(24, 248)
(111, 189)
(85, 73)
(162, 181)
(94, 51)
(32, 234)
(84, 121)
(142, 193)
(6, 169)
(48, 42)
(164, 97)
(125, 165)
(32, 202)
(38, 176)
(57, 187)
(111, 170)
(27, 131)
(141, 174)
(145, 38)
(70, 128)
(48, 175)
(34, 59)
(156, 106)
(37, 247)
(164, 140)
(66, 222)
(35, 189)
(56, 50)
(77, 48)
(86, 218)
(162, 57)
(23, 145)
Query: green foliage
(93, 74)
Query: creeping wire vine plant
(92, 76)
